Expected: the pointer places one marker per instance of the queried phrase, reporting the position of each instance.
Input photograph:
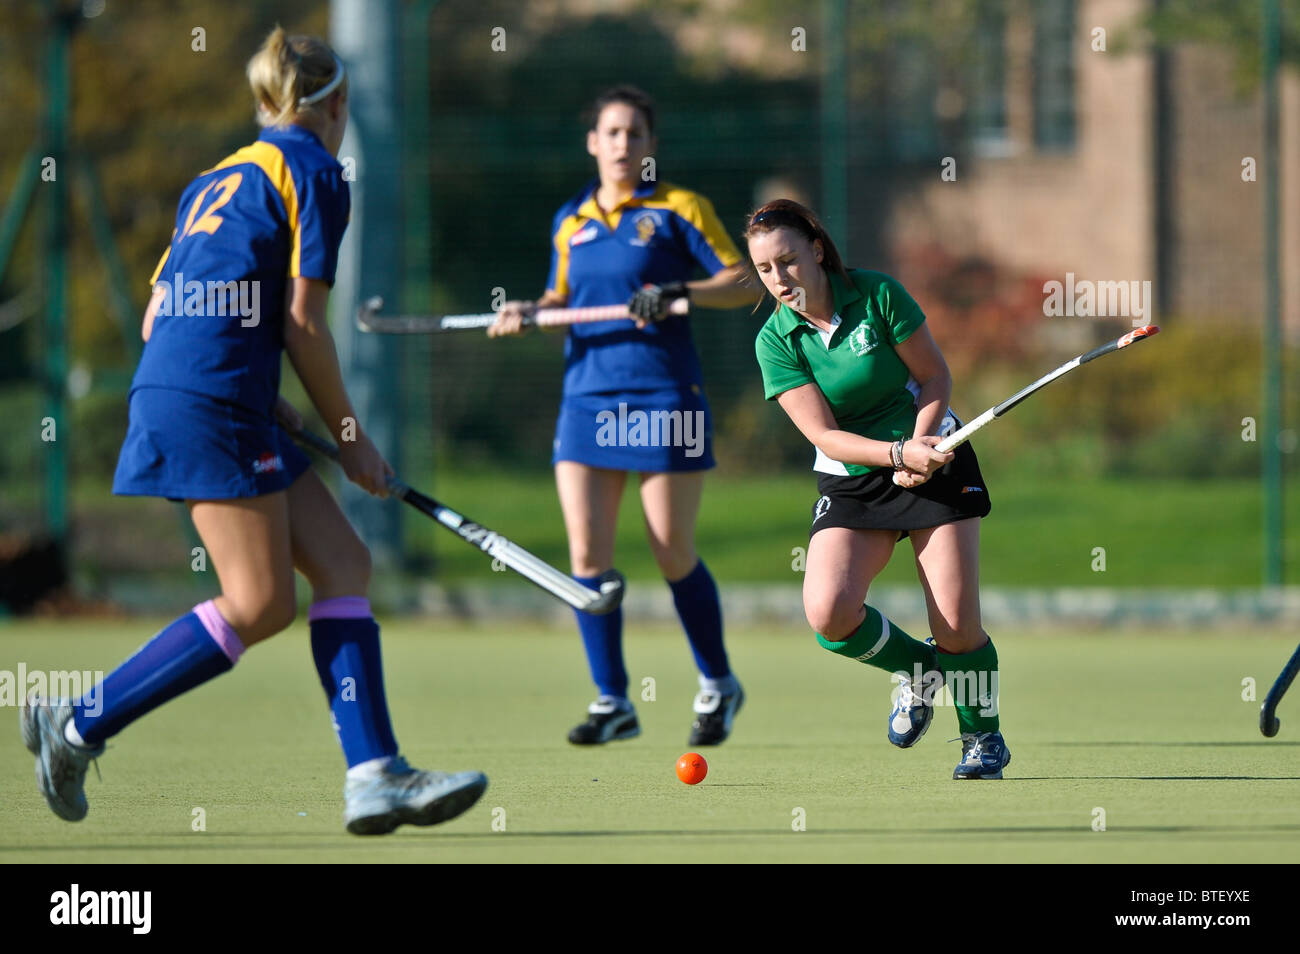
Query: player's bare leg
(671, 504)
(947, 562)
(248, 544)
(842, 562)
(840, 567)
(326, 548)
(589, 499)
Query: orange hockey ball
(691, 768)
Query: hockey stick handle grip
(962, 435)
(322, 446)
(370, 320)
(553, 317)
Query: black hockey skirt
(874, 502)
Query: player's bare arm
(807, 408)
(925, 363)
(310, 346)
(729, 288)
(146, 328)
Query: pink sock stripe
(220, 630)
(341, 607)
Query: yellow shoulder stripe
(568, 228)
(270, 160)
(162, 261)
(699, 212)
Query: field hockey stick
(560, 585)
(1268, 720)
(961, 436)
(369, 319)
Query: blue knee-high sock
(602, 637)
(345, 646)
(696, 598)
(183, 655)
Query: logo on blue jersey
(645, 222)
(584, 235)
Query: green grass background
(1041, 532)
(1150, 727)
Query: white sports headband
(328, 88)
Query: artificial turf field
(1150, 727)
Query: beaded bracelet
(896, 455)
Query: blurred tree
(158, 95)
(1234, 24)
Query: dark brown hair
(786, 213)
(627, 94)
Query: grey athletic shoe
(60, 765)
(400, 795)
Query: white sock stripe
(880, 643)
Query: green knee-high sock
(880, 643)
(973, 680)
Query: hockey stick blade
(1269, 723)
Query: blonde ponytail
(288, 74)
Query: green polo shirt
(862, 377)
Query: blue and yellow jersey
(270, 212)
(660, 234)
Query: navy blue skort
(185, 446)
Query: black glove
(651, 303)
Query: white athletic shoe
(60, 765)
(400, 795)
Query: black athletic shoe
(606, 722)
(714, 713)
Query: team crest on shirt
(863, 339)
(646, 223)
